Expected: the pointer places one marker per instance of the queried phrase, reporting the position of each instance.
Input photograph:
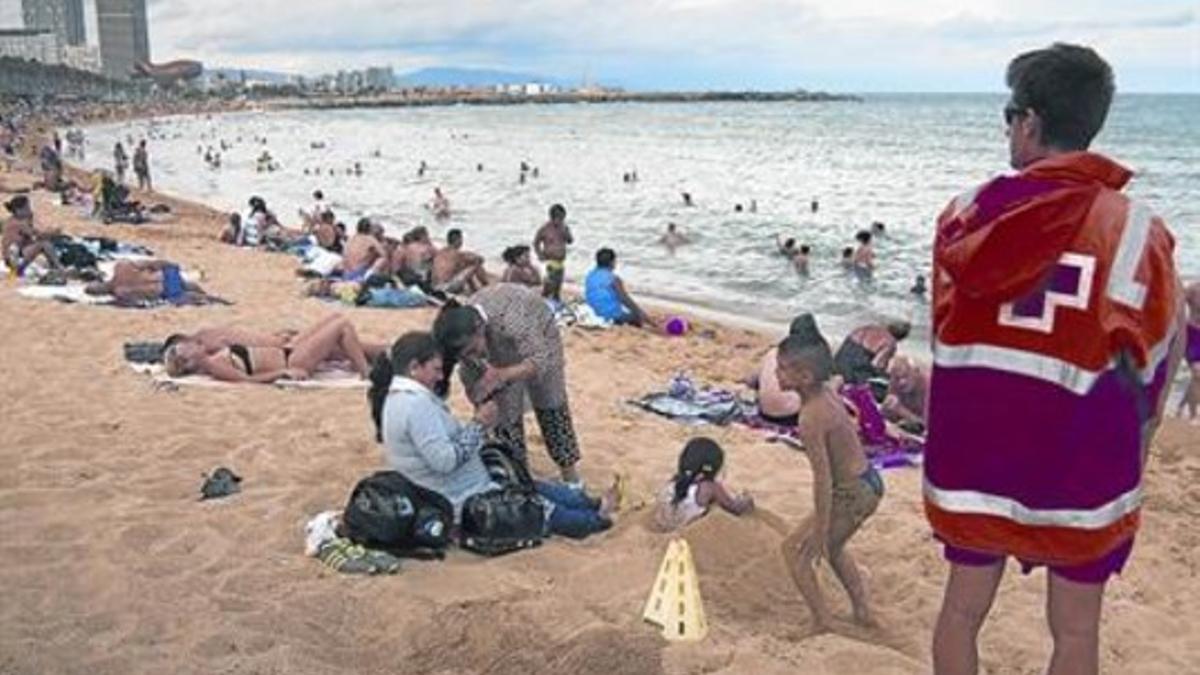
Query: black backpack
(390, 512)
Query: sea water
(896, 159)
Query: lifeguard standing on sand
(1056, 318)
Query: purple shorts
(1193, 343)
(1095, 572)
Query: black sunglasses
(1012, 111)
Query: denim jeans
(572, 513)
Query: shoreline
(481, 98)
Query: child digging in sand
(846, 488)
(695, 487)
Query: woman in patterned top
(509, 346)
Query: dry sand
(111, 565)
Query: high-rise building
(31, 44)
(63, 17)
(124, 36)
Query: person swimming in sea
(863, 258)
(687, 198)
(673, 239)
(918, 288)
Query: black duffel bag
(390, 512)
(509, 518)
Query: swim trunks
(853, 503)
(1095, 572)
(172, 283)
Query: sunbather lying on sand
(147, 280)
(236, 355)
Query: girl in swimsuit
(332, 339)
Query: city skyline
(848, 45)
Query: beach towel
(686, 402)
(322, 379)
(886, 446)
(320, 262)
(578, 314)
(75, 294)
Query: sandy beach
(113, 566)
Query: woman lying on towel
(147, 280)
(233, 355)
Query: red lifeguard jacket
(1054, 306)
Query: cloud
(668, 43)
(972, 27)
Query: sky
(834, 45)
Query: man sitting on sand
(412, 261)
(326, 232)
(520, 268)
(846, 488)
(867, 350)
(908, 393)
(21, 242)
(606, 295)
(1044, 404)
(457, 271)
(365, 254)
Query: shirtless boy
(550, 245)
(846, 488)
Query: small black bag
(390, 512)
(503, 520)
(510, 518)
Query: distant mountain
(467, 77)
(235, 75)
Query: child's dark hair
(453, 330)
(812, 352)
(847, 252)
(415, 347)
(701, 459)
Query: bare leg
(335, 337)
(847, 573)
(799, 557)
(1073, 610)
(969, 594)
(316, 328)
(44, 249)
(1191, 396)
